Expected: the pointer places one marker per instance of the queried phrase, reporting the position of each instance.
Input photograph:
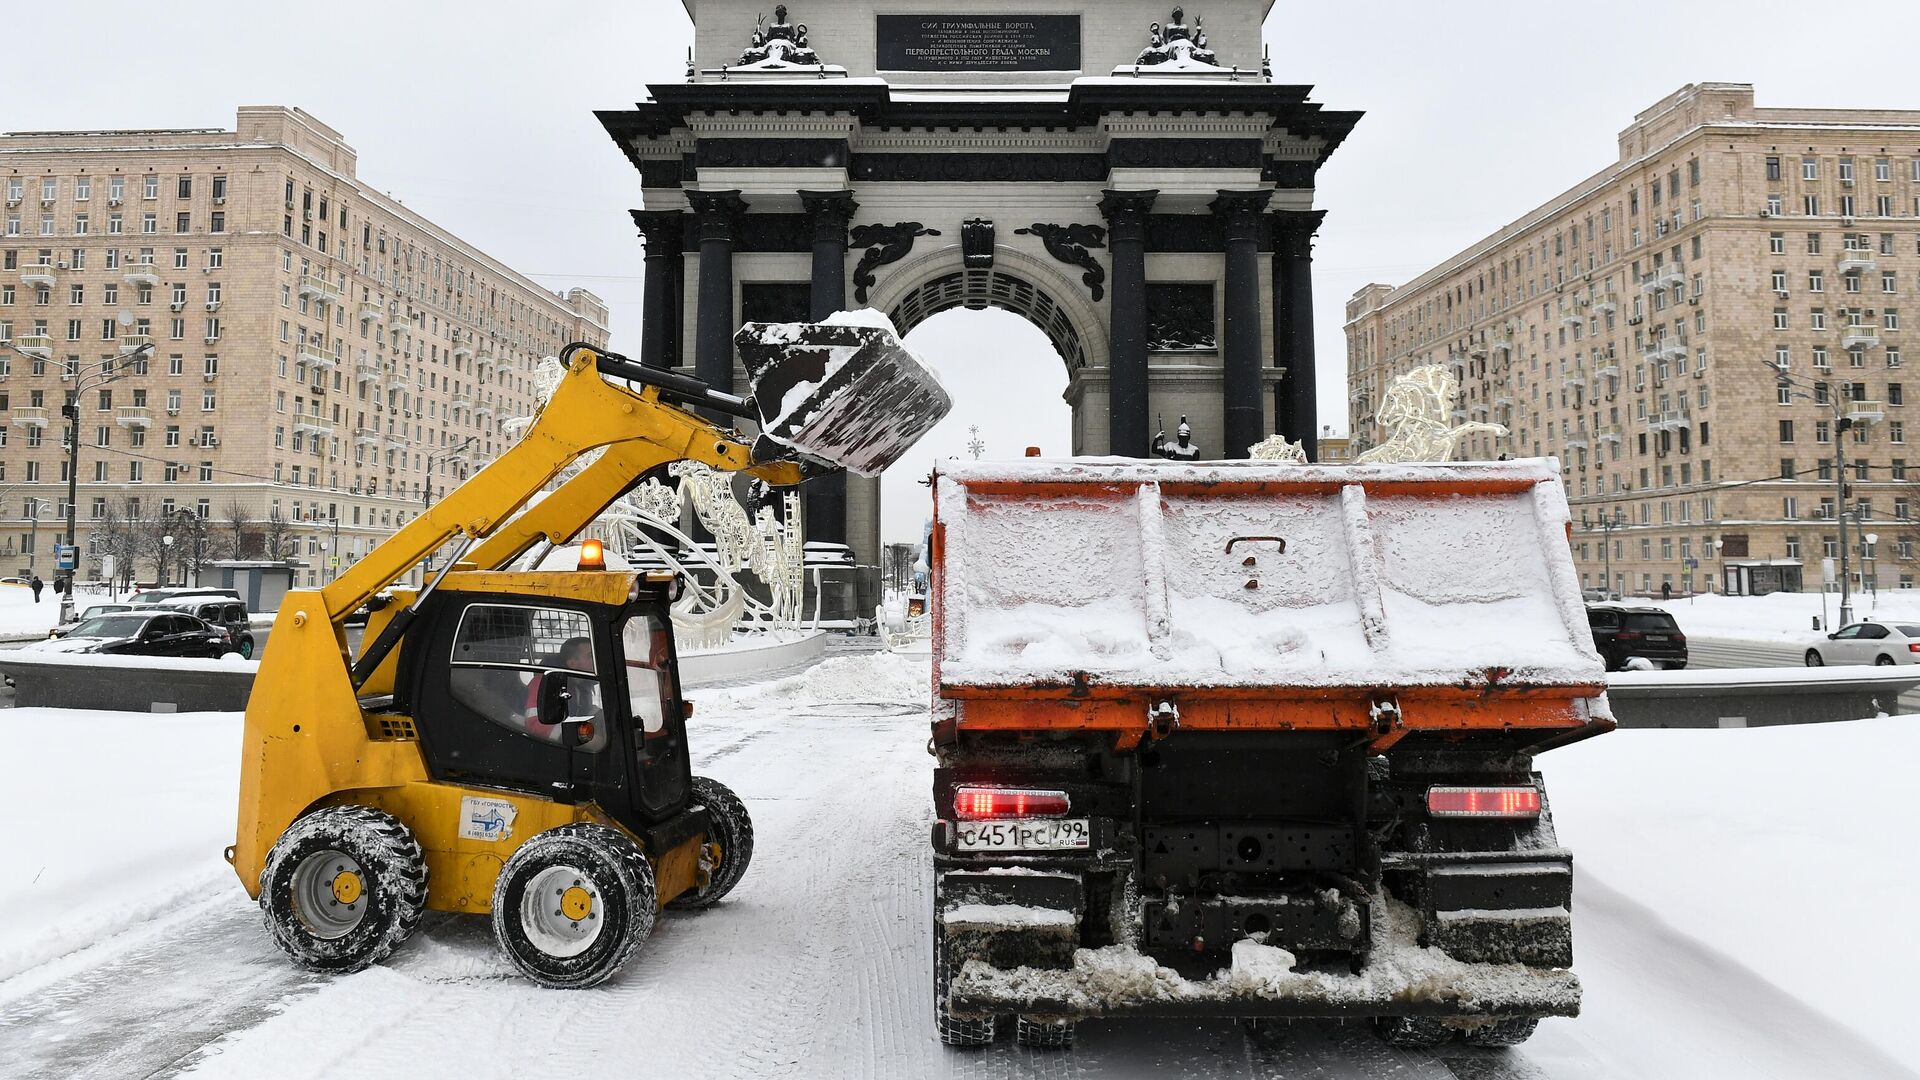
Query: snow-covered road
(818, 966)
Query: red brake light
(1627, 635)
(1484, 802)
(1913, 646)
(975, 803)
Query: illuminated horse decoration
(1414, 412)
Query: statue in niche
(1180, 448)
(1175, 43)
(781, 44)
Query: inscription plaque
(977, 42)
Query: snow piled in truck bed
(1185, 586)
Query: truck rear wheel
(1413, 1032)
(732, 832)
(343, 887)
(1509, 1032)
(1043, 1034)
(573, 904)
(954, 1030)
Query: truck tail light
(1484, 802)
(973, 803)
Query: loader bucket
(848, 394)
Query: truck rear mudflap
(1400, 978)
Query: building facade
(323, 360)
(1688, 330)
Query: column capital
(660, 229)
(1293, 231)
(831, 211)
(1127, 210)
(1239, 204)
(718, 211)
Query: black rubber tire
(246, 648)
(393, 881)
(1043, 1034)
(1814, 660)
(1509, 1032)
(1413, 1032)
(622, 881)
(733, 831)
(953, 1030)
(1883, 661)
(1674, 665)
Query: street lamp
(1842, 423)
(426, 495)
(1866, 552)
(1606, 525)
(166, 553)
(1719, 559)
(116, 368)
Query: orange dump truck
(1253, 739)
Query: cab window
(650, 691)
(504, 654)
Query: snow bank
(1789, 849)
(119, 818)
(20, 616)
(1781, 618)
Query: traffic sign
(66, 556)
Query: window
(1816, 281)
(1793, 547)
(1773, 168)
(1813, 243)
(179, 259)
(1780, 318)
(1809, 168)
(150, 187)
(1810, 205)
(503, 655)
(1776, 243)
(1786, 431)
(185, 187)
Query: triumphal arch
(1126, 174)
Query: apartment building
(1688, 330)
(324, 360)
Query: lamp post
(115, 369)
(426, 494)
(1606, 525)
(1866, 552)
(166, 553)
(1842, 423)
(1720, 566)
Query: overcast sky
(479, 115)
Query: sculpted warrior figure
(1175, 43)
(780, 43)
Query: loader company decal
(485, 819)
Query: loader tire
(1509, 1032)
(1413, 1032)
(572, 906)
(732, 831)
(1043, 1034)
(953, 1030)
(343, 887)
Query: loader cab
(556, 692)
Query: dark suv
(1622, 633)
(225, 612)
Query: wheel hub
(560, 911)
(346, 887)
(576, 903)
(329, 893)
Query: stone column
(1243, 413)
(825, 497)
(718, 216)
(1126, 214)
(661, 302)
(1295, 408)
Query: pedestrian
(1666, 590)
(36, 585)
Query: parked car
(1593, 594)
(1868, 642)
(224, 611)
(162, 595)
(93, 611)
(140, 633)
(1623, 633)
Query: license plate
(1656, 637)
(1022, 834)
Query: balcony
(1608, 369)
(1502, 345)
(1664, 349)
(1578, 440)
(1573, 318)
(38, 346)
(1478, 352)
(462, 401)
(399, 322)
(38, 275)
(1611, 433)
(318, 287)
(1606, 305)
(1865, 411)
(397, 442)
(372, 313)
(483, 410)
(130, 343)
(133, 416)
(141, 274)
(1669, 420)
(485, 364)
(1856, 260)
(1663, 278)
(463, 352)
(30, 417)
(365, 372)
(1859, 337)
(1505, 401)
(368, 439)
(318, 361)
(1459, 415)
(1575, 378)
(314, 425)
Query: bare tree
(278, 536)
(122, 534)
(236, 519)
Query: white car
(1868, 642)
